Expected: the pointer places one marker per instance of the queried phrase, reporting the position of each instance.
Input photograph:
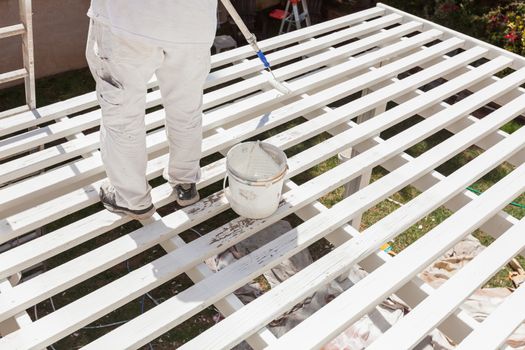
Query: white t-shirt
(162, 22)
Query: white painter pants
(122, 67)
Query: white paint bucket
(255, 171)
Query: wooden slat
(13, 30)
(47, 113)
(412, 328)
(62, 129)
(500, 324)
(49, 157)
(60, 206)
(17, 321)
(74, 105)
(309, 279)
(33, 138)
(13, 75)
(13, 111)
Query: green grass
(386, 207)
(419, 229)
(51, 89)
(511, 126)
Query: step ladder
(25, 30)
(295, 17)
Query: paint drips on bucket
(256, 174)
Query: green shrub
(501, 23)
(505, 27)
(461, 15)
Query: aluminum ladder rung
(13, 75)
(13, 30)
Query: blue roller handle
(263, 59)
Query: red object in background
(512, 36)
(278, 14)
(281, 14)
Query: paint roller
(250, 38)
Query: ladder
(25, 30)
(295, 17)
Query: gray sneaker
(107, 197)
(187, 194)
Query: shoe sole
(185, 203)
(135, 216)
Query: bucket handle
(226, 191)
(224, 182)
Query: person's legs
(181, 79)
(122, 69)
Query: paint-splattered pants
(122, 68)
